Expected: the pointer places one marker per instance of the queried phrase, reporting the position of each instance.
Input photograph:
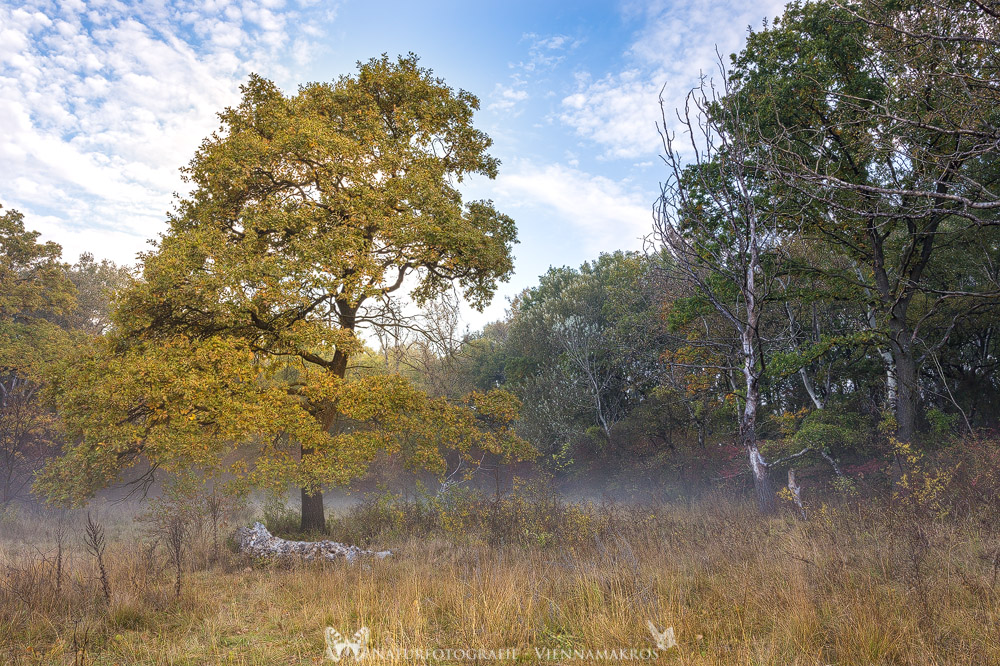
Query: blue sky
(101, 102)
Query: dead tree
(720, 229)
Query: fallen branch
(258, 542)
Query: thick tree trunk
(313, 515)
(901, 335)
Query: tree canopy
(310, 214)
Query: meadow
(529, 575)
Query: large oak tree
(310, 216)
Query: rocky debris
(258, 542)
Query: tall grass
(858, 583)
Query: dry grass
(853, 585)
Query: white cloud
(506, 98)
(599, 212)
(676, 45)
(546, 52)
(102, 103)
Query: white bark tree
(722, 231)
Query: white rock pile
(258, 542)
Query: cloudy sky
(102, 101)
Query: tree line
(819, 288)
(820, 285)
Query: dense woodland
(819, 292)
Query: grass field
(858, 583)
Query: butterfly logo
(337, 645)
(664, 639)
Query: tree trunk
(748, 425)
(810, 388)
(907, 407)
(796, 490)
(313, 516)
(761, 477)
(907, 394)
(890, 379)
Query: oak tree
(311, 216)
